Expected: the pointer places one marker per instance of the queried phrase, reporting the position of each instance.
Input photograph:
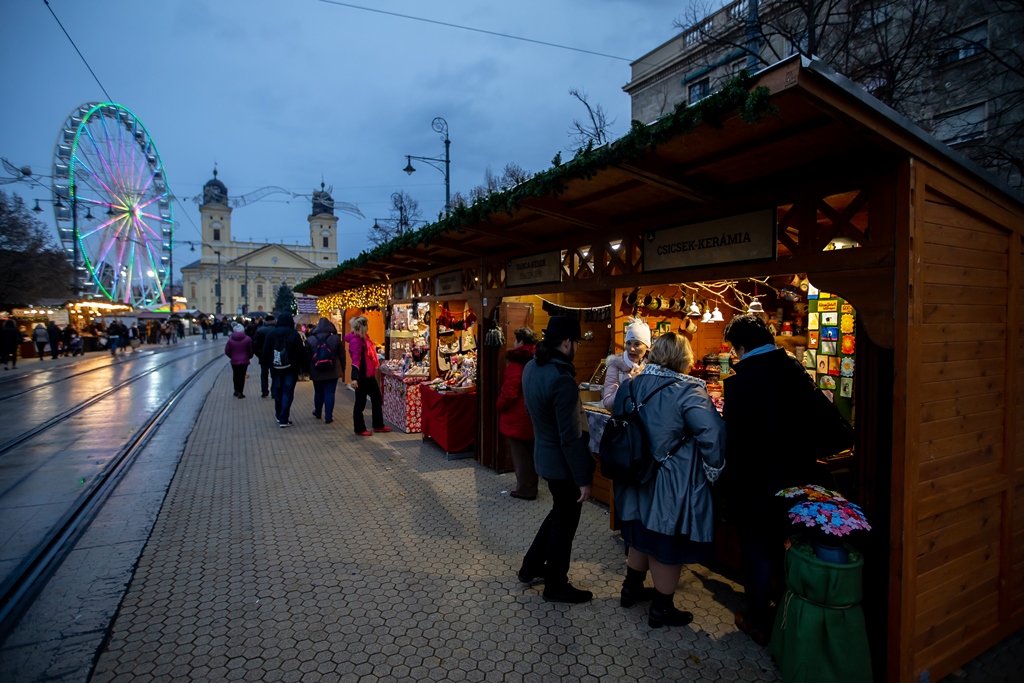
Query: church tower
(216, 217)
(323, 228)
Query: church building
(250, 273)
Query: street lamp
(193, 245)
(440, 126)
(397, 200)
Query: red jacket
(512, 418)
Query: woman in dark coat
(513, 421)
(10, 340)
(669, 521)
(325, 375)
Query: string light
(366, 296)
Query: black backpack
(281, 359)
(625, 453)
(323, 356)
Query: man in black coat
(284, 343)
(54, 333)
(258, 341)
(561, 455)
(770, 391)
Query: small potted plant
(829, 515)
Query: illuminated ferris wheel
(113, 206)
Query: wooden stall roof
(740, 142)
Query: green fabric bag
(819, 632)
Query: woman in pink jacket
(513, 421)
(239, 350)
(364, 371)
(629, 363)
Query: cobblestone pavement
(312, 554)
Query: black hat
(563, 327)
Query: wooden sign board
(747, 237)
(448, 283)
(400, 290)
(536, 269)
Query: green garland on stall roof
(753, 106)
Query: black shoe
(670, 616)
(264, 395)
(316, 415)
(241, 396)
(633, 594)
(528, 577)
(567, 593)
(284, 425)
(327, 422)
(235, 394)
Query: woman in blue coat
(669, 521)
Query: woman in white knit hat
(629, 363)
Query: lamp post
(440, 126)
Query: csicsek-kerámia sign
(747, 237)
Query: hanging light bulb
(716, 317)
(755, 306)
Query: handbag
(625, 451)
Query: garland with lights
(366, 296)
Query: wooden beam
(555, 209)
(500, 234)
(452, 245)
(660, 175)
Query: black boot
(633, 590)
(664, 613)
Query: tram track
(71, 412)
(23, 584)
(56, 380)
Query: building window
(244, 292)
(193, 293)
(699, 90)
(216, 234)
(967, 43)
(960, 125)
(327, 258)
(259, 291)
(327, 242)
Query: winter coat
(285, 331)
(239, 348)
(768, 391)
(40, 335)
(10, 339)
(687, 436)
(553, 402)
(66, 334)
(53, 332)
(326, 334)
(357, 347)
(618, 369)
(260, 340)
(513, 421)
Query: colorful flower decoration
(848, 344)
(826, 510)
(846, 365)
(846, 324)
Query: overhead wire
(84, 60)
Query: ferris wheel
(112, 205)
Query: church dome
(215, 192)
(322, 201)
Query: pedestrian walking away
(768, 389)
(41, 338)
(513, 421)
(134, 337)
(283, 347)
(204, 325)
(239, 349)
(668, 520)
(326, 360)
(66, 336)
(54, 335)
(259, 341)
(364, 371)
(561, 455)
(10, 340)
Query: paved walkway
(312, 554)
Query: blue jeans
(283, 388)
(323, 397)
(114, 342)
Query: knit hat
(237, 328)
(639, 330)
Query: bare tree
(595, 129)
(511, 175)
(32, 265)
(405, 213)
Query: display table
(602, 489)
(449, 418)
(402, 401)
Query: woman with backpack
(668, 520)
(326, 366)
(364, 370)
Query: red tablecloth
(401, 401)
(449, 419)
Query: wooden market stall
(763, 180)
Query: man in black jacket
(769, 391)
(561, 455)
(258, 342)
(284, 351)
(54, 333)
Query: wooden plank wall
(963, 446)
(1017, 464)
